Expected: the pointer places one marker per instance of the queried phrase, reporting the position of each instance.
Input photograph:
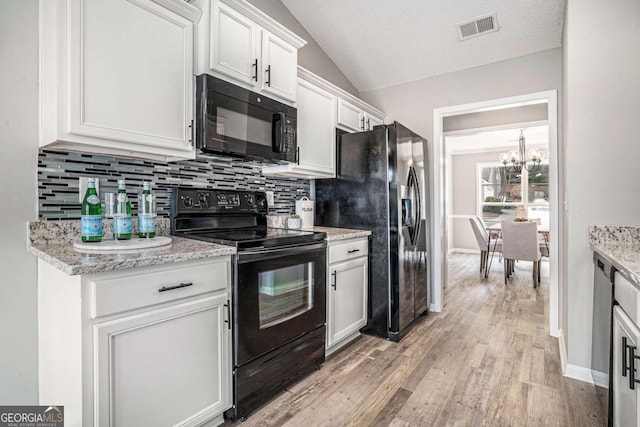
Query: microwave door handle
(277, 132)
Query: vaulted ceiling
(379, 43)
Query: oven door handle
(267, 253)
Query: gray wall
(18, 192)
(464, 196)
(311, 56)
(413, 103)
(504, 116)
(601, 60)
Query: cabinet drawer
(143, 287)
(628, 296)
(347, 250)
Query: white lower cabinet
(626, 380)
(153, 348)
(347, 286)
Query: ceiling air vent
(477, 26)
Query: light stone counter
(620, 246)
(52, 241)
(341, 233)
(333, 233)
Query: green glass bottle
(91, 214)
(146, 213)
(122, 218)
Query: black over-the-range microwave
(235, 121)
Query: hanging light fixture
(514, 161)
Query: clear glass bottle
(146, 213)
(122, 218)
(91, 214)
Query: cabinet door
(626, 337)
(350, 117)
(347, 299)
(316, 129)
(165, 367)
(234, 44)
(130, 73)
(279, 67)
(371, 121)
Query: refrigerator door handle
(418, 208)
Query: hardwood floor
(486, 360)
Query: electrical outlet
(270, 201)
(82, 187)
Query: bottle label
(147, 224)
(93, 199)
(149, 198)
(123, 224)
(91, 225)
(122, 197)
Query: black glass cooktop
(256, 237)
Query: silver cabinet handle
(335, 280)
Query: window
(501, 192)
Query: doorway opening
(493, 117)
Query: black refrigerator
(380, 185)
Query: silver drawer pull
(170, 288)
(353, 251)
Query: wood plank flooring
(486, 360)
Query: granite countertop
(52, 241)
(341, 233)
(620, 246)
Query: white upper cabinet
(234, 45)
(349, 116)
(316, 135)
(239, 43)
(117, 76)
(355, 118)
(323, 107)
(280, 64)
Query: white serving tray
(135, 243)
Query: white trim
(578, 373)
(562, 347)
(600, 379)
(485, 129)
(572, 371)
(438, 257)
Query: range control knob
(261, 202)
(187, 201)
(249, 198)
(203, 198)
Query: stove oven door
(279, 295)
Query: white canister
(305, 210)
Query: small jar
(294, 222)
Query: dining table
(495, 231)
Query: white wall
(601, 60)
(311, 56)
(18, 196)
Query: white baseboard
(432, 308)
(464, 251)
(600, 379)
(578, 372)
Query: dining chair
(482, 239)
(520, 242)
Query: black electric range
(230, 217)
(278, 290)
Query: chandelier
(514, 161)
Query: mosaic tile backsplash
(59, 172)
